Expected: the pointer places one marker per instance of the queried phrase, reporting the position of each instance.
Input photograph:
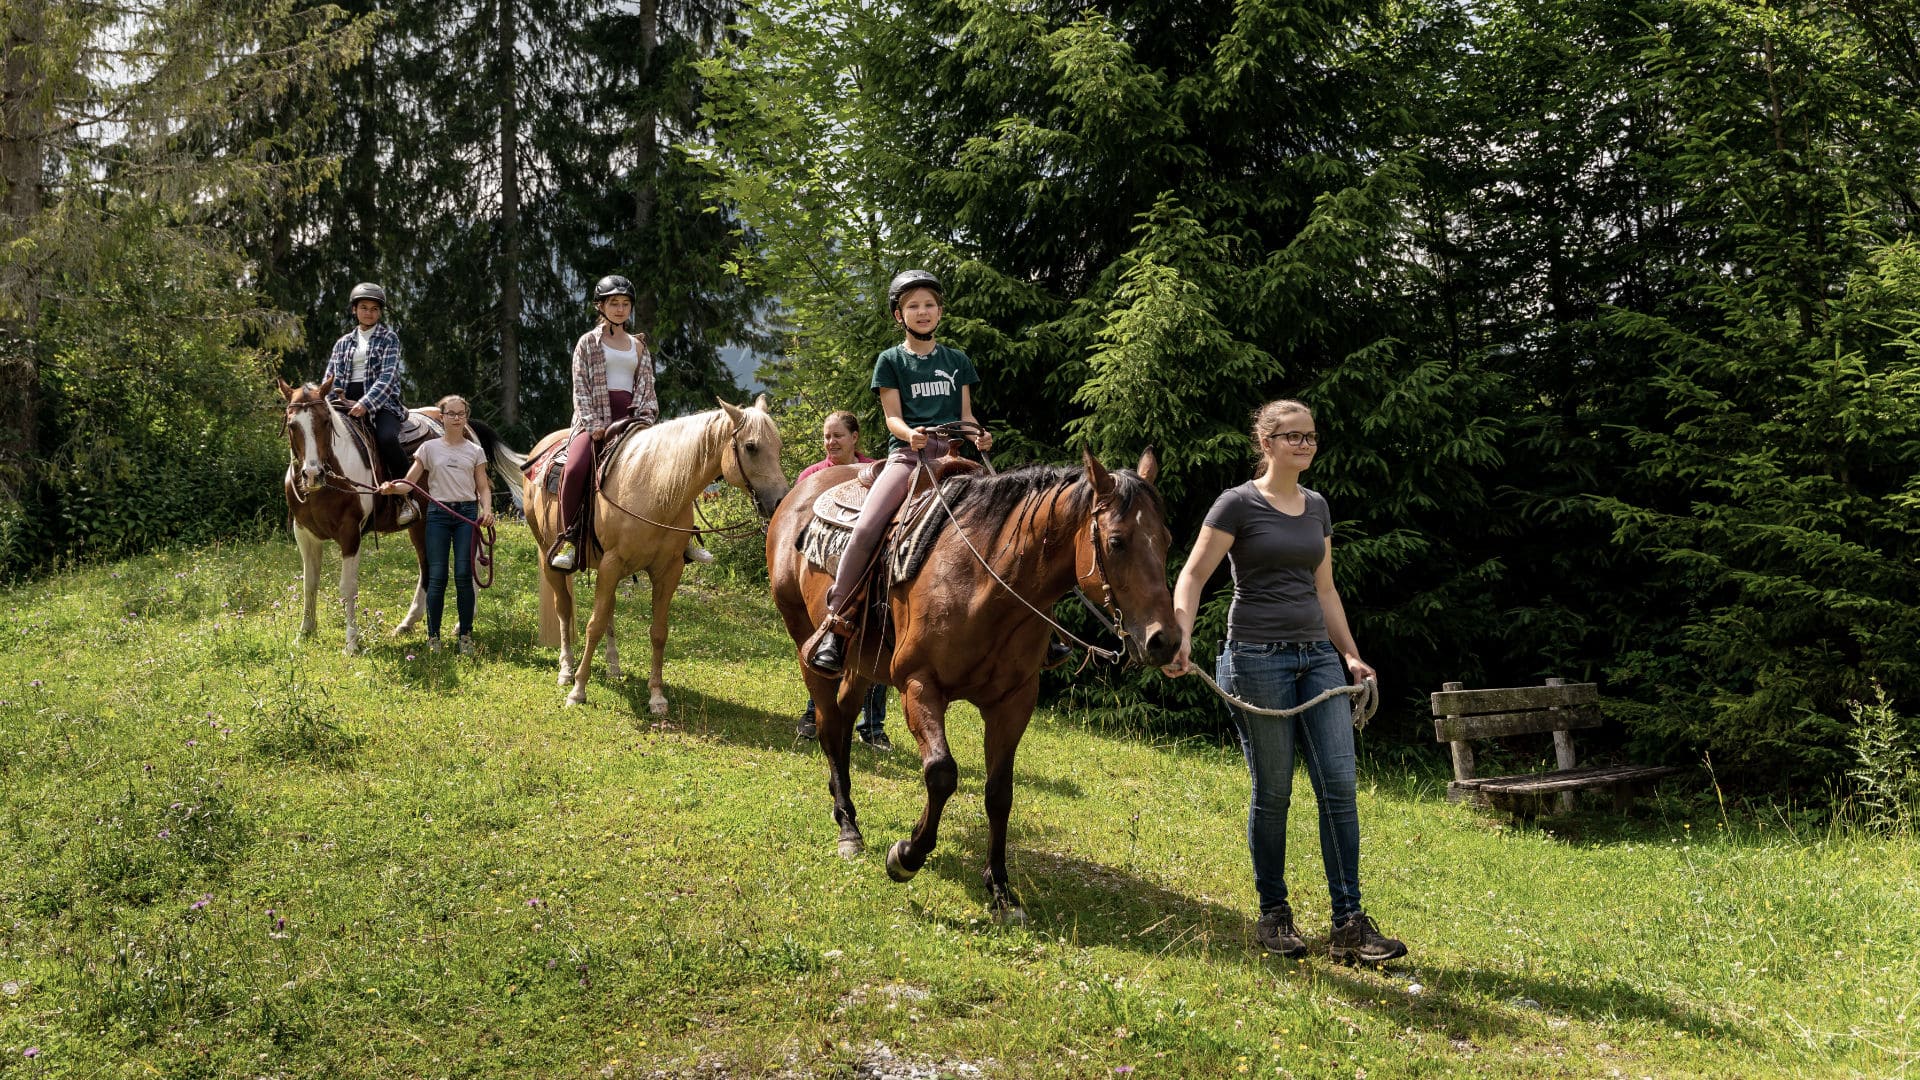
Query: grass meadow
(227, 854)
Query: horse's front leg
(833, 726)
(1006, 721)
(311, 548)
(350, 599)
(417, 532)
(606, 587)
(663, 584)
(926, 711)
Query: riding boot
(1058, 652)
(826, 650)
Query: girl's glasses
(1296, 438)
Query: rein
(482, 557)
(1109, 655)
(738, 528)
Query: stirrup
(832, 624)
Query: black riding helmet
(907, 280)
(367, 290)
(612, 285)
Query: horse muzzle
(1156, 644)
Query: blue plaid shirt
(383, 369)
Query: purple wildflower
(31, 1052)
(269, 913)
(533, 901)
(164, 834)
(409, 656)
(279, 925)
(1123, 1069)
(36, 683)
(193, 742)
(205, 899)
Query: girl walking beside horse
(1287, 641)
(453, 471)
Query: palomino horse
(325, 485)
(968, 626)
(641, 521)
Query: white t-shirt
(621, 366)
(450, 468)
(362, 341)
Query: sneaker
(1058, 652)
(878, 740)
(1277, 934)
(806, 728)
(1358, 939)
(433, 644)
(562, 559)
(697, 554)
(466, 644)
(405, 517)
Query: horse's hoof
(352, 649)
(1010, 915)
(577, 698)
(851, 849)
(565, 679)
(658, 706)
(894, 870)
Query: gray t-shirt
(1274, 556)
(450, 469)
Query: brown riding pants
(580, 463)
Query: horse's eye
(1116, 543)
(753, 448)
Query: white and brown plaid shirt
(591, 408)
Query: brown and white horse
(326, 485)
(642, 519)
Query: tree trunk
(510, 300)
(23, 126)
(646, 305)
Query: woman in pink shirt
(840, 436)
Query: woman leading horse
(971, 624)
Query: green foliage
(1886, 765)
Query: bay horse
(968, 626)
(642, 518)
(329, 469)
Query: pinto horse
(641, 520)
(968, 626)
(327, 482)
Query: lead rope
(1366, 693)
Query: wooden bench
(1460, 715)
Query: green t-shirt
(929, 385)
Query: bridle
(327, 472)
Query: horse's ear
(760, 403)
(734, 412)
(1097, 474)
(326, 386)
(1149, 467)
(286, 391)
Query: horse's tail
(506, 461)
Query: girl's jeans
(446, 531)
(1280, 675)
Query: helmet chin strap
(917, 335)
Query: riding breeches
(386, 437)
(581, 461)
(890, 489)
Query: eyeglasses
(453, 416)
(1295, 438)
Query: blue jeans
(873, 716)
(1281, 675)
(446, 531)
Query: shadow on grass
(1090, 904)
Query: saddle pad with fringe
(827, 535)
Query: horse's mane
(990, 500)
(672, 447)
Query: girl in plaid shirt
(365, 369)
(612, 380)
